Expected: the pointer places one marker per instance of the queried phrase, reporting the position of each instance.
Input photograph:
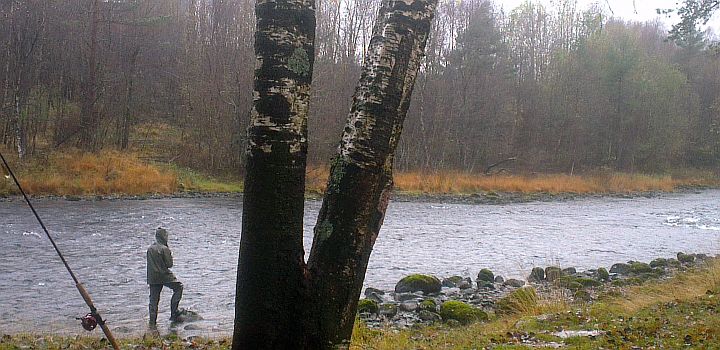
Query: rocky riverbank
(422, 300)
(488, 197)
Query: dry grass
(108, 172)
(680, 288)
(458, 183)
(111, 172)
(453, 182)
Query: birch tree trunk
(271, 282)
(281, 303)
(360, 181)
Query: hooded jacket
(159, 260)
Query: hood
(161, 235)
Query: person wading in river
(159, 262)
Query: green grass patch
(193, 181)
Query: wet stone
(409, 305)
(537, 275)
(429, 316)
(388, 310)
(370, 290)
(514, 283)
(620, 268)
(552, 273)
(464, 284)
(451, 282)
(407, 296)
(569, 271)
(374, 296)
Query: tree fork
(360, 181)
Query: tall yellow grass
(108, 172)
(453, 182)
(681, 287)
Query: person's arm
(167, 258)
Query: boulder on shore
(552, 273)
(620, 269)
(514, 283)
(461, 312)
(486, 275)
(686, 258)
(537, 275)
(417, 282)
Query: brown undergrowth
(458, 183)
(104, 173)
(115, 173)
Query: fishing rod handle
(108, 334)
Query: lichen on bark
(361, 174)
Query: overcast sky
(643, 10)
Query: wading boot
(152, 323)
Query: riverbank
(111, 174)
(664, 304)
(677, 307)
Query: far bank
(110, 173)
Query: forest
(556, 88)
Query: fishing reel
(89, 322)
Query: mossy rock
(429, 305)
(685, 258)
(417, 282)
(603, 274)
(552, 273)
(486, 275)
(518, 301)
(640, 268)
(620, 268)
(659, 262)
(368, 306)
(461, 312)
(429, 316)
(674, 262)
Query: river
(105, 243)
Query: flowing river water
(105, 242)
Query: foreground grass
(111, 173)
(682, 312)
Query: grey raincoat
(159, 260)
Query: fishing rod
(91, 320)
